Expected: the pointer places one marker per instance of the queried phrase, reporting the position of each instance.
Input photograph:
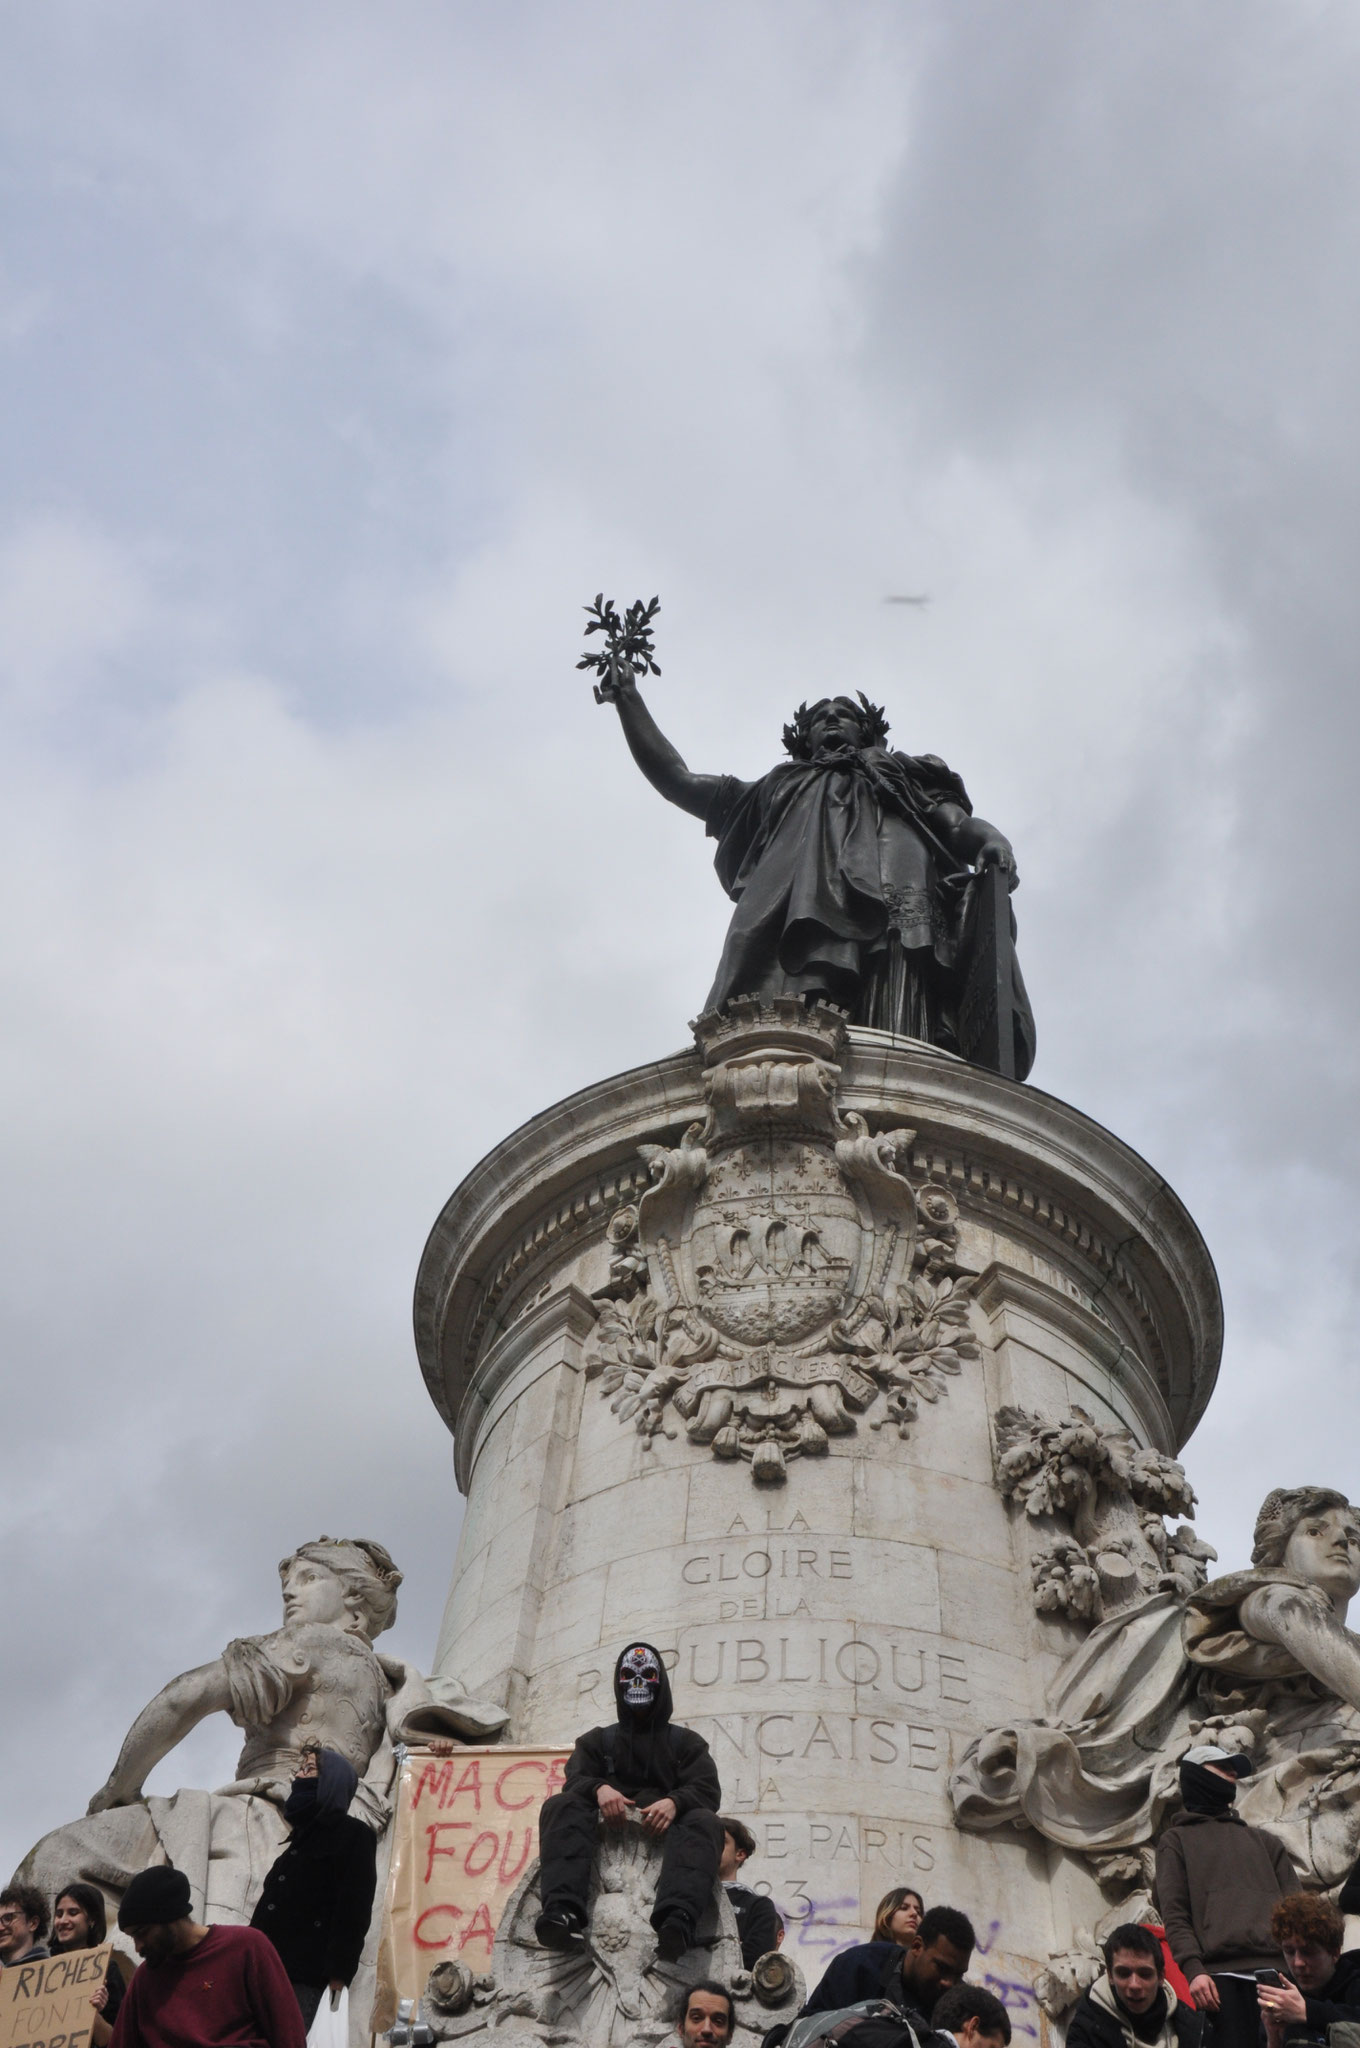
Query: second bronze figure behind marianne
(860, 875)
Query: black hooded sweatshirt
(644, 1756)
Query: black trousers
(309, 1997)
(1237, 2023)
(569, 1830)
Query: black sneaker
(673, 1938)
(557, 1927)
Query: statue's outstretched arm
(1305, 1626)
(655, 755)
(974, 840)
(176, 1709)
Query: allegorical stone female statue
(316, 1679)
(1261, 1660)
(856, 870)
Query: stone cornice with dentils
(976, 1185)
(1004, 1150)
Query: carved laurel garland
(975, 1184)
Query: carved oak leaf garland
(1108, 1495)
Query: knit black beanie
(154, 1897)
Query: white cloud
(70, 601)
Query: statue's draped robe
(1100, 1772)
(845, 888)
(1097, 1771)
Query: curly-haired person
(1326, 1984)
(23, 1923)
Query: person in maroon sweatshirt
(199, 1987)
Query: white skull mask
(639, 1678)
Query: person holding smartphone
(1325, 1984)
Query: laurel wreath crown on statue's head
(798, 734)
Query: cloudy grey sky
(346, 352)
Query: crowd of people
(1240, 1955)
(222, 1987)
(77, 1920)
(1237, 1955)
(906, 1988)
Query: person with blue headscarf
(317, 1900)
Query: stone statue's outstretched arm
(655, 755)
(974, 840)
(176, 1709)
(1306, 1627)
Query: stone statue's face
(837, 725)
(1325, 1549)
(311, 1593)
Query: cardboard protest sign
(47, 2004)
(464, 1833)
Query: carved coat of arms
(781, 1276)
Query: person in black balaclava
(1218, 1882)
(317, 1899)
(643, 1761)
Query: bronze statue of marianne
(859, 874)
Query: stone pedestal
(730, 1347)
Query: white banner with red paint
(464, 1833)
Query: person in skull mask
(641, 1761)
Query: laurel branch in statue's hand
(628, 652)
